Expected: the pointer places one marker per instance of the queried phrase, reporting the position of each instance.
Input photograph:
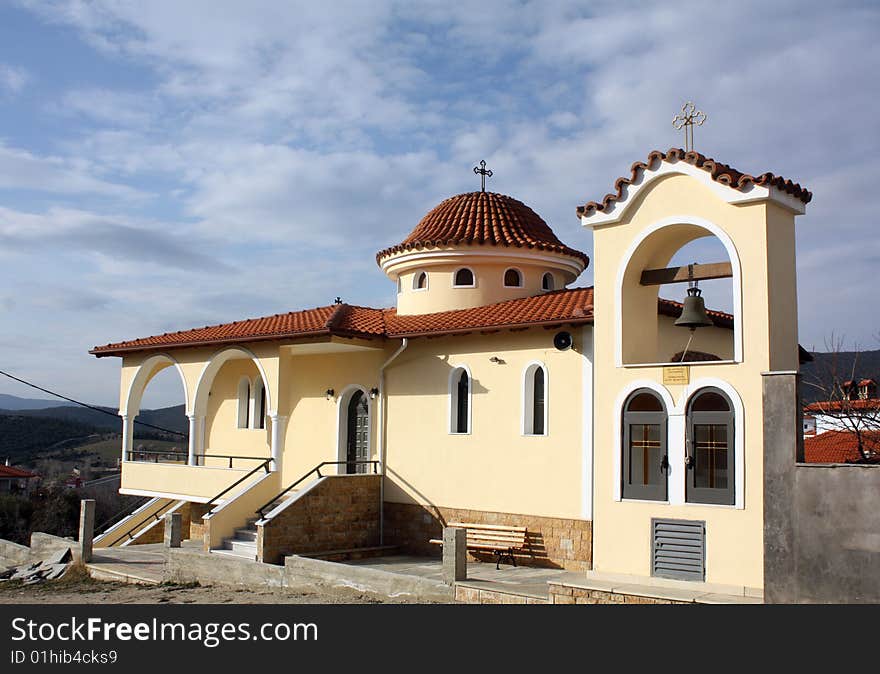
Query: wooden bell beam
(702, 272)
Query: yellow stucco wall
(495, 467)
(621, 529)
(221, 426)
(312, 427)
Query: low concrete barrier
(43, 545)
(12, 554)
(303, 571)
(195, 566)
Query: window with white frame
(710, 449)
(244, 403)
(548, 282)
(460, 401)
(645, 461)
(420, 280)
(259, 405)
(535, 400)
(464, 278)
(513, 278)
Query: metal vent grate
(678, 549)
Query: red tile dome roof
(483, 218)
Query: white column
(677, 452)
(279, 426)
(127, 436)
(196, 432)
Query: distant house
(14, 479)
(859, 399)
(840, 447)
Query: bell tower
(664, 203)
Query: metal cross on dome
(687, 119)
(482, 171)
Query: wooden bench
(500, 540)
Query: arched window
(244, 402)
(535, 400)
(512, 279)
(645, 463)
(464, 278)
(548, 282)
(460, 399)
(710, 454)
(259, 420)
(420, 280)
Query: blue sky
(165, 165)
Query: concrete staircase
(243, 544)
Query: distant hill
(9, 402)
(21, 436)
(867, 366)
(172, 418)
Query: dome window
(548, 282)
(513, 278)
(464, 278)
(420, 281)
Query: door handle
(664, 464)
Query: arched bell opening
(674, 267)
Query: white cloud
(23, 170)
(294, 140)
(12, 78)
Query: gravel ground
(78, 588)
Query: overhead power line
(91, 407)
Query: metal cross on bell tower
(687, 119)
(482, 171)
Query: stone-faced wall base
(560, 594)
(474, 595)
(553, 542)
(338, 512)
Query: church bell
(693, 315)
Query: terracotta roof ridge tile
(719, 172)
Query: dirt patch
(78, 588)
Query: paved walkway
(144, 564)
(528, 581)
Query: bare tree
(847, 396)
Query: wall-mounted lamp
(373, 393)
(330, 393)
(497, 360)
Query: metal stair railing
(156, 515)
(317, 469)
(264, 465)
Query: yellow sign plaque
(680, 374)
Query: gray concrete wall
(821, 522)
(836, 534)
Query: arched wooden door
(358, 425)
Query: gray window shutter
(678, 549)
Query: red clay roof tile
(13, 472)
(832, 406)
(840, 447)
(483, 218)
(721, 173)
(572, 305)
